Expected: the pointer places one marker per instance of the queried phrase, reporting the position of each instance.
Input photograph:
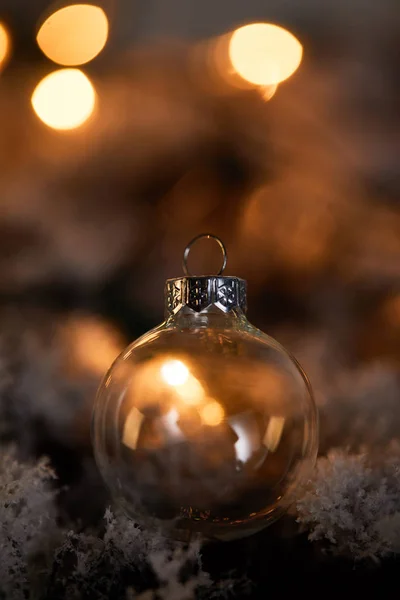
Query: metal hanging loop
(209, 236)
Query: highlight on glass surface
(64, 99)
(205, 425)
(264, 54)
(4, 44)
(174, 372)
(74, 35)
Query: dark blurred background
(301, 181)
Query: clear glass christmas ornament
(205, 424)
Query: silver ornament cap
(206, 292)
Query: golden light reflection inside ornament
(64, 99)
(264, 54)
(132, 428)
(184, 390)
(273, 433)
(74, 35)
(4, 44)
(212, 413)
(174, 373)
(191, 392)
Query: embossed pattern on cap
(200, 293)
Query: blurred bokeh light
(268, 91)
(64, 99)
(212, 413)
(4, 44)
(175, 373)
(93, 345)
(264, 54)
(74, 35)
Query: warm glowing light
(74, 35)
(132, 427)
(273, 433)
(268, 91)
(174, 373)
(4, 43)
(64, 99)
(191, 391)
(264, 54)
(212, 413)
(218, 62)
(94, 345)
